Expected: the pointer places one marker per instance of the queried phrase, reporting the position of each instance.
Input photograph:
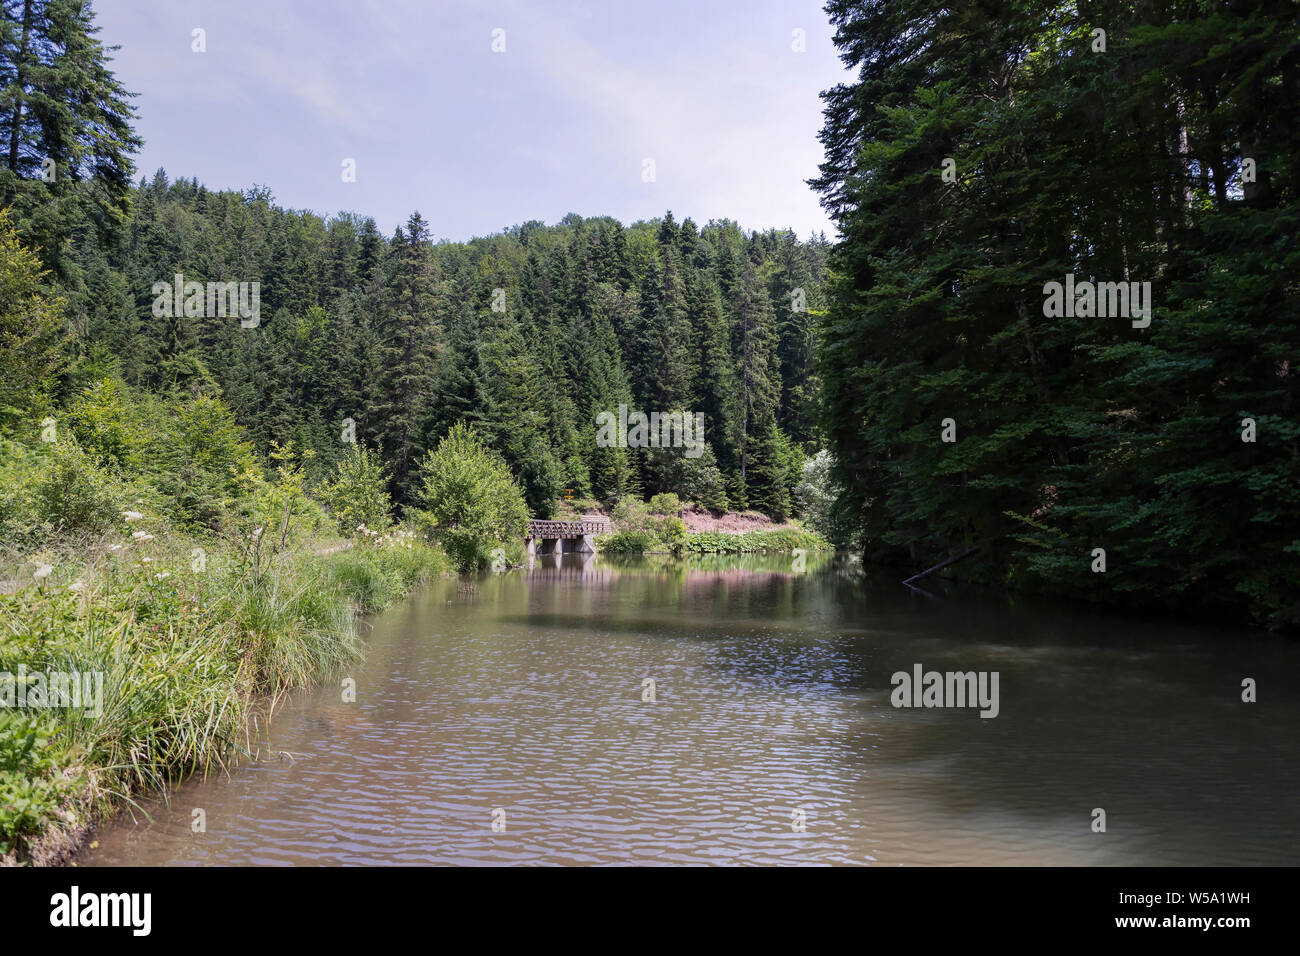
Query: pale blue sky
(560, 122)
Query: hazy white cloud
(477, 140)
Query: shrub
(72, 494)
(471, 504)
(356, 494)
(666, 504)
(205, 451)
(31, 332)
(626, 542)
(754, 542)
(817, 494)
(631, 514)
(673, 534)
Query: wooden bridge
(553, 534)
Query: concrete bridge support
(548, 537)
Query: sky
(714, 93)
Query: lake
(510, 719)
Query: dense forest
(981, 157)
(988, 150)
(528, 335)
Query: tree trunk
(20, 77)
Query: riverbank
(178, 647)
(666, 525)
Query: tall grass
(187, 657)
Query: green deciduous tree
(470, 502)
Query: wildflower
(132, 515)
(77, 585)
(42, 571)
(142, 535)
(146, 560)
(162, 574)
(115, 547)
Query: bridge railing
(567, 529)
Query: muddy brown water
(501, 720)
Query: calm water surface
(518, 698)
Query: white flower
(146, 560)
(132, 515)
(161, 574)
(77, 585)
(257, 533)
(42, 571)
(142, 535)
(115, 547)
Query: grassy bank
(676, 541)
(145, 545)
(783, 540)
(192, 637)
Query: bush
(72, 494)
(626, 542)
(666, 504)
(783, 540)
(817, 494)
(471, 504)
(205, 451)
(673, 534)
(31, 333)
(631, 514)
(357, 493)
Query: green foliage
(817, 494)
(30, 339)
(356, 494)
(630, 513)
(666, 504)
(376, 574)
(32, 787)
(783, 540)
(1072, 432)
(470, 502)
(72, 495)
(400, 335)
(627, 542)
(186, 650)
(62, 105)
(672, 532)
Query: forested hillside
(528, 335)
(987, 151)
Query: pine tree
(65, 126)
